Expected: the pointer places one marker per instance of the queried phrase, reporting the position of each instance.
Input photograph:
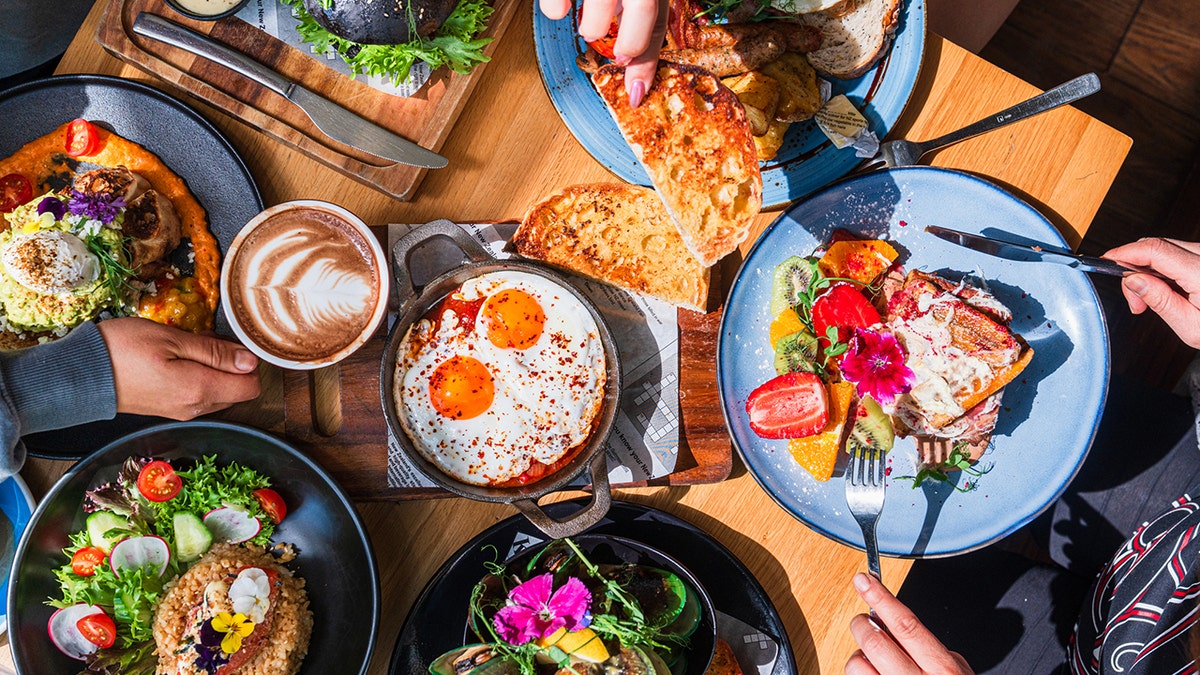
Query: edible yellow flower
(235, 628)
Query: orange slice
(818, 453)
(786, 323)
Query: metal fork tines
(864, 495)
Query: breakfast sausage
(795, 37)
(735, 59)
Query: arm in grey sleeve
(51, 386)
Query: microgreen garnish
(719, 10)
(115, 272)
(959, 458)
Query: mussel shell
(473, 659)
(381, 22)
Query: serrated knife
(332, 119)
(1026, 253)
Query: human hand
(164, 371)
(639, 38)
(909, 649)
(1179, 306)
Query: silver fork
(864, 496)
(906, 153)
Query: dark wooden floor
(1147, 53)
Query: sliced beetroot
(65, 634)
(135, 552)
(232, 525)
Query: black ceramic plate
(435, 623)
(190, 145)
(335, 556)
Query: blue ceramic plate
(17, 505)
(1049, 413)
(806, 162)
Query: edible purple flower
(209, 656)
(53, 206)
(101, 207)
(875, 364)
(536, 609)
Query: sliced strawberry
(793, 405)
(844, 307)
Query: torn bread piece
(853, 42)
(692, 136)
(617, 234)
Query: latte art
(305, 285)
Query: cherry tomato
(15, 190)
(98, 629)
(86, 559)
(158, 482)
(82, 138)
(272, 504)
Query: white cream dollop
(50, 262)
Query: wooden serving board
(425, 118)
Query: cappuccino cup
(304, 284)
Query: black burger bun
(381, 22)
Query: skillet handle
(404, 246)
(589, 515)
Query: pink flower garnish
(536, 609)
(875, 364)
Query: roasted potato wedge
(799, 95)
(769, 143)
(759, 95)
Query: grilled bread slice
(852, 42)
(618, 234)
(960, 350)
(692, 136)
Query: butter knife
(1026, 253)
(335, 121)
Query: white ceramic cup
(304, 284)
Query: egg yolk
(461, 387)
(514, 319)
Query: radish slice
(65, 634)
(135, 552)
(232, 525)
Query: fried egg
(504, 375)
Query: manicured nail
(244, 360)
(637, 92)
(861, 582)
(1136, 284)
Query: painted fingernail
(1136, 284)
(637, 92)
(244, 360)
(861, 581)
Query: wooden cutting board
(425, 118)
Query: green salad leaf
(207, 487)
(455, 45)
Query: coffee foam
(304, 285)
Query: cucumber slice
(192, 538)
(100, 523)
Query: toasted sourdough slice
(692, 136)
(959, 348)
(851, 43)
(618, 234)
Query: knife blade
(1026, 253)
(332, 119)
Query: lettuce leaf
(455, 45)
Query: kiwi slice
(872, 428)
(792, 277)
(796, 353)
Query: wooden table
(508, 150)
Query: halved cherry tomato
(15, 190)
(86, 559)
(82, 138)
(793, 405)
(98, 629)
(272, 504)
(158, 482)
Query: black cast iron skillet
(416, 302)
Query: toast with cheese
(692, 136)
(618, 234)
(853, 42)
(960, 349)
